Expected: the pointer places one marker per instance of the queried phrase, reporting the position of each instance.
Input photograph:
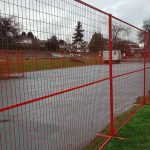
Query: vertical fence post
(112, 130)
(145, 47)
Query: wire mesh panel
(4, 68)
(81, 68)
(147, 49)
(128, 69)
(11, 64)
(63, 99)
(147, 80)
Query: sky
(46, 18)
(132, 11)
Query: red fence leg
(144, 102)
(112, 130)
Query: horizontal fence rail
(67, 70)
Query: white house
(80, 46)
(26, 41)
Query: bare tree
(117, 30)
(146, 27)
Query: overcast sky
(59, 17)
(133, 11)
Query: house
(136, 50)
(42, 43)
(26, 41)
(134, 47)
(80, 46)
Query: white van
(116, 56)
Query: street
(67, 121)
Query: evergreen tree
(54, 38)
(23, 34)
(78, 35)
(30, 35)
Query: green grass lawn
(136, 133)
(141, 119)
(43, 64)
(98, 141)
